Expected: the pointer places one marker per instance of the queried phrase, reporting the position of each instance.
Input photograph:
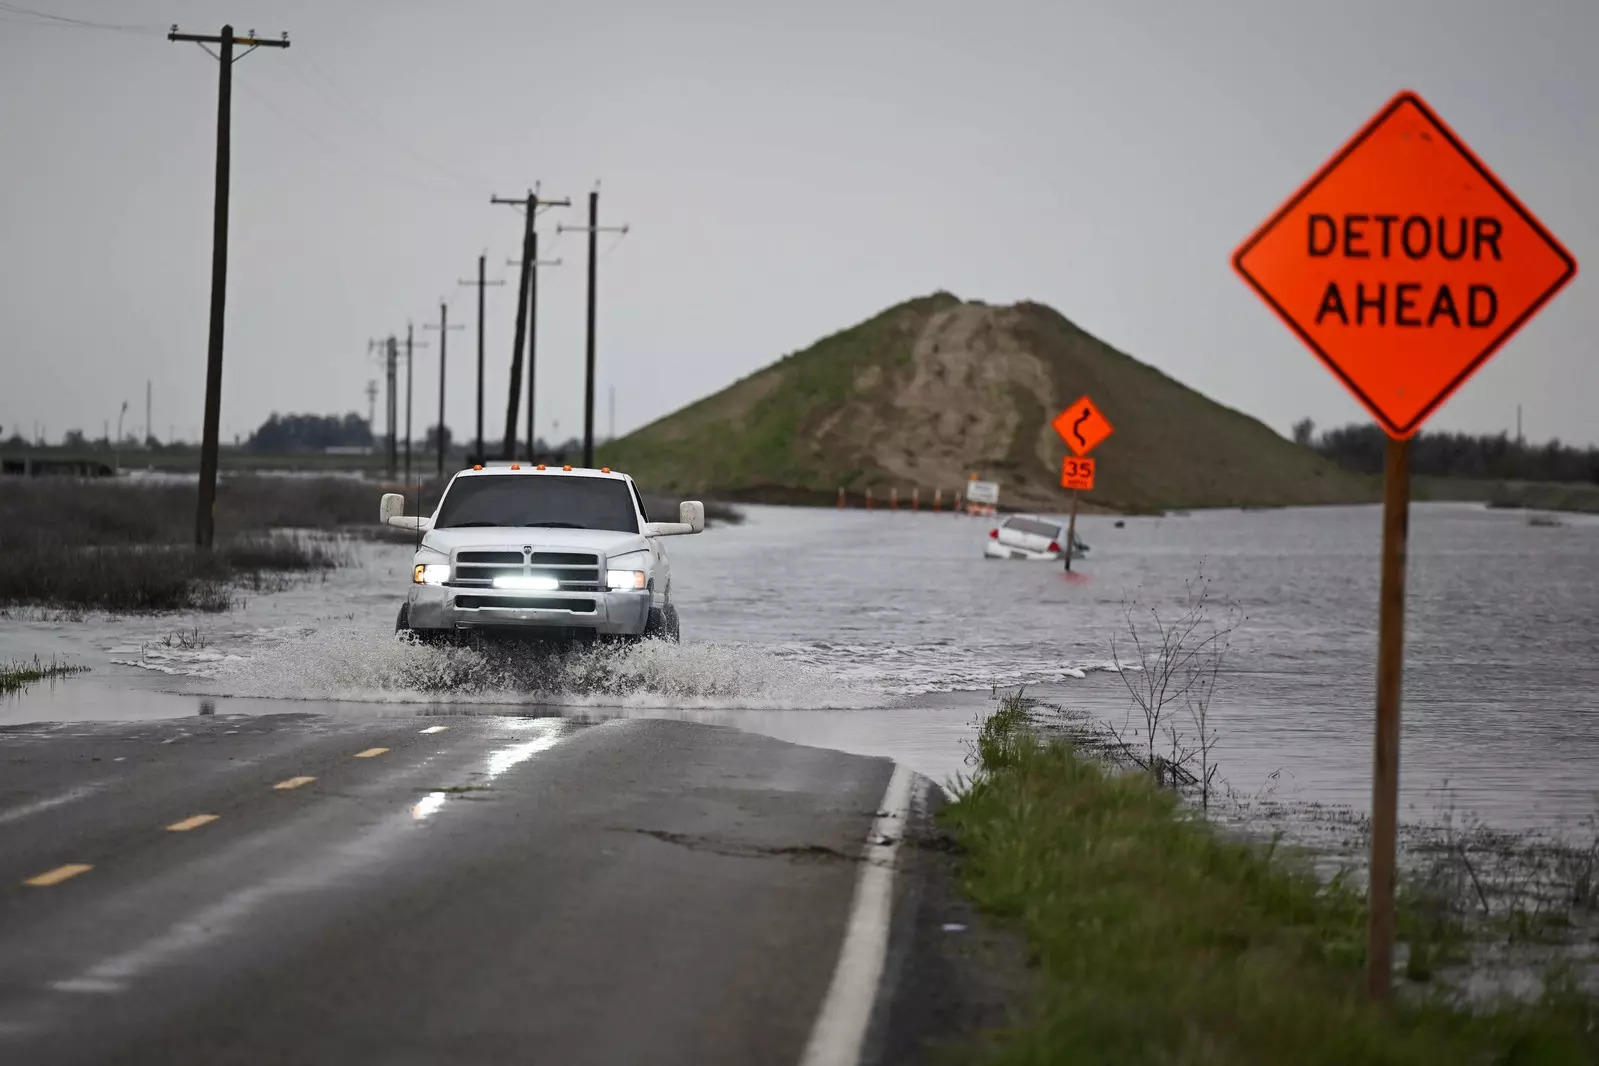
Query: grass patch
(1158, 940)
(103, 512)
(1545, 496)
(150, 577)
(126, 546)
(14, 676)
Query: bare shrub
(1170, 660)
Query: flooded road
(886, 634)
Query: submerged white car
(531, 550)
(1026, 536)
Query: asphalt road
(309, 889)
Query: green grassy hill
(935, 389)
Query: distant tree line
(1360, 447)
(300, 433)
(77, 440)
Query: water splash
(368, 667)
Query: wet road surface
(233, 889)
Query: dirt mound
(935, 389)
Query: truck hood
(607, 542)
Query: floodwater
(887, 633)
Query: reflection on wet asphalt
(241, 888)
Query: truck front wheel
(402, 629)
(663, 625)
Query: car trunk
(1029, 535)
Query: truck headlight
(617, 580)
(431, 573)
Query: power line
(389, 138)
(355, 158)
(64, 22)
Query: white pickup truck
(542, 551)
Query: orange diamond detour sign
(1404, 264)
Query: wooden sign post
(1403, 264)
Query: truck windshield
(531, 500)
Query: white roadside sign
(984, 492)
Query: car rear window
(1033, 526)
(538, 500)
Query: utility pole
(593, 229)
(148, 431)
(611, 433)
(444, 328)
(205, 509)
(530, 206)
(387, 357)
(393, 349)
(481, 284)
(533, 334)
(411, 343)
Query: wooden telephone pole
(593, 229)
(411, 344)
(533, 333)
(481, 283)
(444, 328)
(205, 510)
(530, 206)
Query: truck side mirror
(391, 506)
(692, 514)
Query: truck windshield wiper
(556, 525)
(467, 525)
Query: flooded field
(887, 633)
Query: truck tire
(402, 629)
(663, 625)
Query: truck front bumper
(440, 607)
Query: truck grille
(576, 571)
(540, 603)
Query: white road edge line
(838, 1035)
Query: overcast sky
(787, 169)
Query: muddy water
(886, 633)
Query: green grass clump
(1158, 940)
(20, 675)
(148, 577)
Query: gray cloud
(788, 169)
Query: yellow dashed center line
(370, 753)
(435, 729)
(58, 875)
(192, 822)
(294, 782)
